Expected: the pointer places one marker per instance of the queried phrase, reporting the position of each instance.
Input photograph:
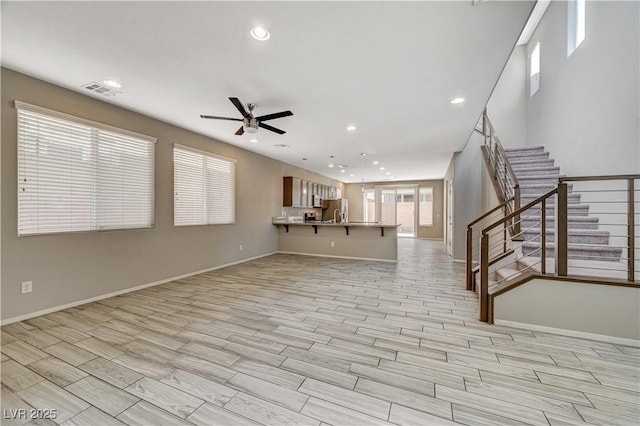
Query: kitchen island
(353, 240)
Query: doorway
(398, 205)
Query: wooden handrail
(516, 184)
(493, 210)
(605, 177)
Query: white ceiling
(390, 68)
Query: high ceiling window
(576, 24)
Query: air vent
(101, 89)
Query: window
(204, 188)
(78, 175)
(534, 70)
(576, 25)
(425, 212)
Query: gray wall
(544, 303)
(587, 111)
(72, 267)
(467, 191)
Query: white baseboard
(339, 257)
(458, 260)
(570, 333)
(126, 290)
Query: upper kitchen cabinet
(291, 192)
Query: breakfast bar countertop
(331, 223)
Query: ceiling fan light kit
(250, 123)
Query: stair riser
(577, 239)
(537, 172)
(540, 190)
(524, 164)
(525, 149)
(571, 199)
(538, 180)
(551, 224)
(528, 157)
(574, 210)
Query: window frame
(96, 128)
(535, 59)
(204, 154)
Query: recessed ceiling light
(351, 128)
(363, 154)
(253, 140)
(376, 162)
(381, 168)
(260, 33)
(388, 174)
(457, 100)
(352, 175)
(331, 166)
(342, 171)
(113, 83)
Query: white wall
(587, 112)
(507, 107)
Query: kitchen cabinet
(291, 192)
(297, 192)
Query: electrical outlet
(241, 247)
(333, 243)
(27, 287)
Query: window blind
(76, 176)
(204, 188)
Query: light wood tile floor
(302, 340)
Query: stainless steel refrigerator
(336, 209)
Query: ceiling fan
(250, 123)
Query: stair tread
(577, 246)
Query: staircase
(538, 175)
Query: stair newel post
(562, 231)
(631, 249)
(516, 207)
(469, 263)
(484, 277)
(543, 228)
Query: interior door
(386, 207)
(406, 211)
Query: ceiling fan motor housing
(250, 125)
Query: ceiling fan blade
(273, 129)
(274, 116)
(240, 131)
(220, 118)
(238, 104)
